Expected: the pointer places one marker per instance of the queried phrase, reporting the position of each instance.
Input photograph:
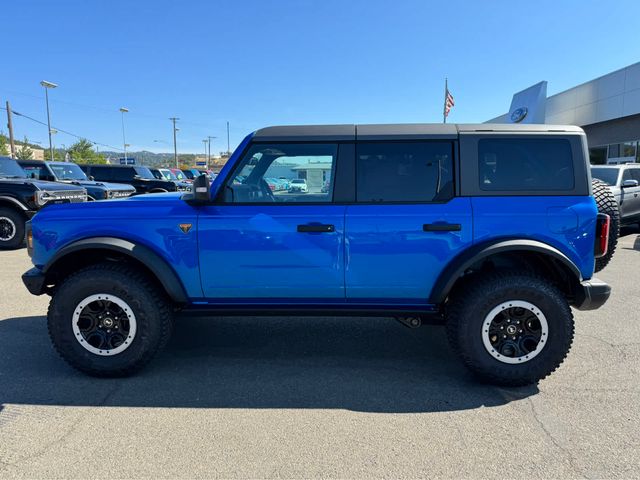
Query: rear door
(406, 223)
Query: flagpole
(444, 108)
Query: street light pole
(175, 145)
(210, 138)
(205, 152)
(124, 110)
(47, 86)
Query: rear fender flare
(456, 268)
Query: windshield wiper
(2, 175)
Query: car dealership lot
(332, 397)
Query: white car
(299, 185)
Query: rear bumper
(592, 294)
(34, 281)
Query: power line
(61, 130)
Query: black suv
(21, 197)
(137, 176)
(68, 172)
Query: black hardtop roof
(399, 131)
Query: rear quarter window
(527, 164)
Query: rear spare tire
(607, 203)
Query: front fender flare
(154, 262)
(465, 260)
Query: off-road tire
(18, 220)
(152, 312)
(471, 303)
(607, 203)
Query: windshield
(10, 169)
(69, 171)
(607, 175)
(178, 174)
(144, 172)
(168, 174)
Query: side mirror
(200, 191)
(91, 178)
(630, 183)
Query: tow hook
(411, 322)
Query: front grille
(73, 196)
(120, 193)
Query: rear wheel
(607, 203)
(108, 320)
(11, 228)
(510, 328)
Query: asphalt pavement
(320, 397)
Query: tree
(82, 152)
(4, 148)
(24, 152)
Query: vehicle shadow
(361, 364)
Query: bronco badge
(185, 227)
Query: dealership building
(607, 108)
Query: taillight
(603, 224)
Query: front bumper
(34, 281)
(592, 294)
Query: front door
(406, 224)
(261, 242)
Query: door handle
(441, 227)
(316, 228)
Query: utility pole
(228, 153)
(10, 127)
(175, 145)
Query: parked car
(494, 232)
(166, 174)
(191, 173)
(298, 185)
(68, 172)
(139, 177)
(21, 196)
(180, 175)
(624, 182)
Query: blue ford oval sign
(519, 114)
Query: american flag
(448, 102)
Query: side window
(626, 174)
(37, 171)
(404, 172)
(527, 164)
(284, 173)
(120, 173)
(635, 174)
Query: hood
(42, 184)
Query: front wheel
(108, 320)
(509, 328)
(11, 228)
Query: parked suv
(67, 172)
(21, 197)
(166, 174)
(624, 182)
(491, 229)
(138, 177)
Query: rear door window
(527, 164)
(404, 171)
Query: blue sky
(256, 63)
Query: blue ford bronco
(492, 230)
